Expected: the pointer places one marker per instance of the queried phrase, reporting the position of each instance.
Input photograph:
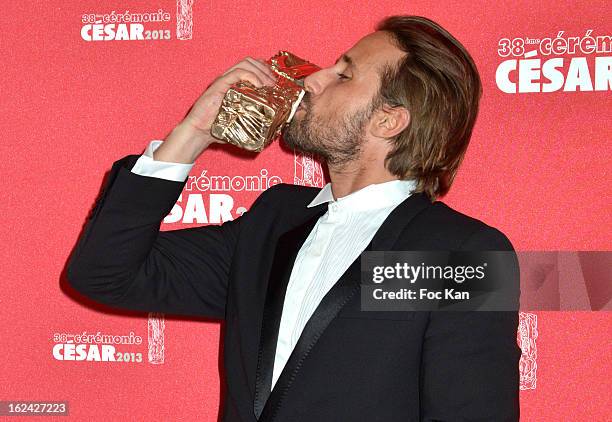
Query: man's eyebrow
(347, 59)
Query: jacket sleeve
(470, 359)
(123, 260)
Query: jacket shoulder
(459, 230)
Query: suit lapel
(396, 222)
(267, 402)
(327, 310)
(287, 248)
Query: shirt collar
(374, 196)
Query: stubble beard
(336, 141)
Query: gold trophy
(251, 117)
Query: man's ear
(389, 121)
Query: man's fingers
(239, 74)
(263, 66)
(252, 65)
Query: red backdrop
(73, 102)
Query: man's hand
(192, 136)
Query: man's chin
(290, 143)
(291, 138)
(295, 137)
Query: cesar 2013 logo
(137, 26)
(587, 68)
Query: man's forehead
(370, 50)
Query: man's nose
(315, 82)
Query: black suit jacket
(348, 365)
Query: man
(392, 119)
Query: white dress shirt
(147, 166)
(337, 239)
